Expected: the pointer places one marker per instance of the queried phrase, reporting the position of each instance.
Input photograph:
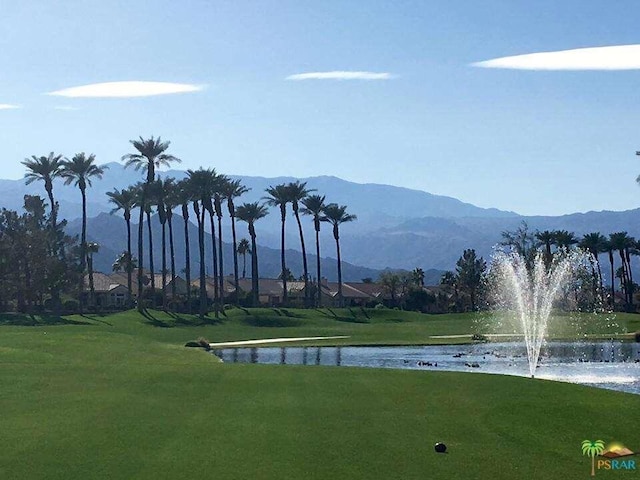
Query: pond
(611, 365)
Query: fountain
(530, 289)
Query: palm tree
(591, 449)
(279, 197)
(199, 186)
(45, 169)
(218, 195)
(547, 239)
(171, 201)
(314, 206)
(151, 153)
(150, 202)
(92, 247)
(80, 170)
(162, 191)
(251, 213)
(595, 243)
(231, 190)
(297, 193)
(337, 215)
(124, 263)
(622, 242)
(184, 197)
(212, 185)
(125, 200)
(564, 239)
(242, 249)
(609, 248)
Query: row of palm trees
(204, 191)
(620, 243)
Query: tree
(546, 238)
(92, 248)
(218, 195)
(80, 170)
(242, 249)
(45, 169)
(151, 153)
(595, 243)
(184, 197)
(231, 190)
(564, 239)
(278, 196)
(591, 449)
(336, 215)
(251, 213)
(314, 206)
(211, 184)
(450, 280)
(125, 200)
(297, 193)
(200, 188)
(470, 271)
(522, 241)
(418, 277)
(125, 263)
(622, 242)
(391, 281)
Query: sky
(455, 98)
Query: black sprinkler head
(440, 447)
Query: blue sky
(532, 141)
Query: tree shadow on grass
(268, 321)
(28, 320)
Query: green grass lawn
(120, 397)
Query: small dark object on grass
(637, 336)
(201, 342)
(440, 447)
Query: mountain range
(397, 228)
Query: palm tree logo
(592, 449)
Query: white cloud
(341, 75)
(619, 57)
(65, 108)
(126, 89)
(7, 106)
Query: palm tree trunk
(630, 278)
(203, 288)
(254, 267)
(128, 221)
(141, 252)
(318, 261)
(164, 267)
(337, 237)
(173, 259)
(220, 266)
(214, 254)
(187, 252)
(235, 259)
(613, 281)
(600, 281)
(151, 269)
(244, 266)
(91, 285)
(285, 296)
(304, 260)
(83, 248)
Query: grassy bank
(120, 397)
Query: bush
(379, 306)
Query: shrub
(70, 306)
(204, 343)
(379, 306)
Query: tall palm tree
(184, 197)
(564, 239)
(162, 191)
(297, 193)
(595, 243)
(609, 248)
(171, 201)
(314, 206)
(92, 247)
(199, 186)
(231, 190)
(150, 202)
(251, 213)
(212, 185)
(242, 249)
(218, 195)
(81, 169)
(125, 200)
(151, 153)
(336, 215)
(622, 242)
(278, 196)
(592, 449)
(45, 169)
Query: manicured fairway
(122, 398)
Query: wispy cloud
(341, 75)
(126, 89)
(8, 106)
(618, 57)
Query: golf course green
(120, 397)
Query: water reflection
(614, 365)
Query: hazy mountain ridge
(396, 227)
